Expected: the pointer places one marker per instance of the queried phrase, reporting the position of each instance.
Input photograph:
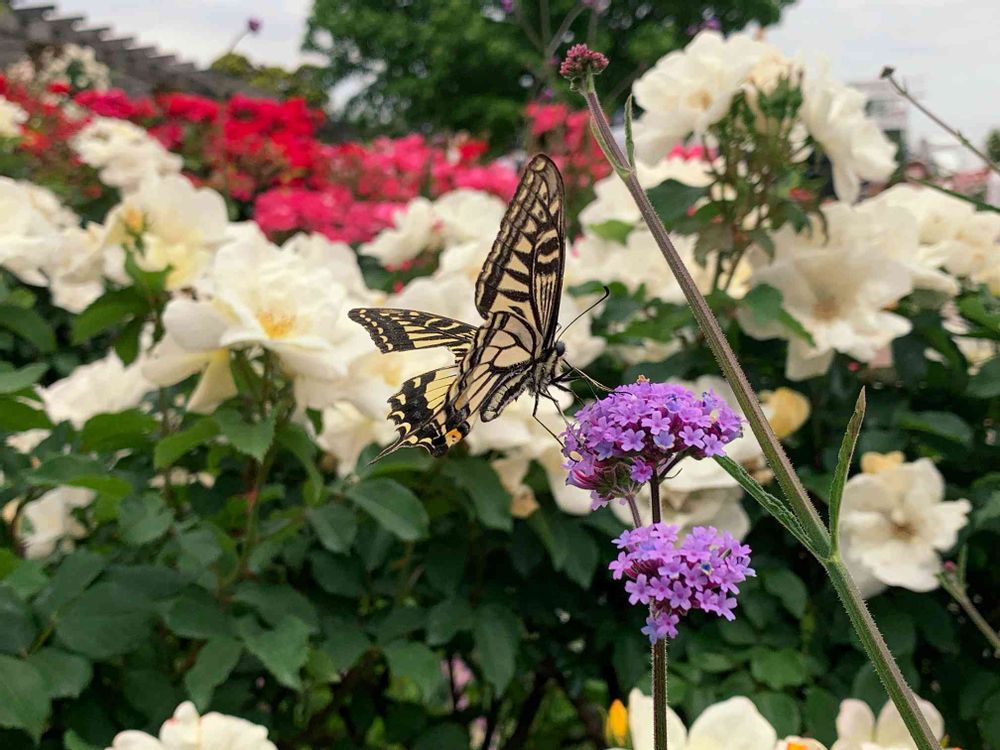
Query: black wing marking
(395, 330)
(523, 273)
(422, 416)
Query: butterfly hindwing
(524, 269)
(422, 416)
(395, 330)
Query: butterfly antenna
(607, 293)
(589, 379)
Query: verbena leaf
(768, 502)
(172, 447)
(395, 508)
(24, 697)
(629, 139)
(253, 439)
(844, 457)
(215, 662)
(497, 633)
(480, 481)
(13, 381)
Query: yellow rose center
(826, 308)
(701, 99)
(275, 324)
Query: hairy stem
(960, 594)
(660, 694)
(814, 529)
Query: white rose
(124, 154)
(186, 730)
(12, 117)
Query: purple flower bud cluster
(619, 441)
(581, 59)
(701, 573)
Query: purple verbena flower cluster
(619, 441)
(701, 573)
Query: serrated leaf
(415, 662)
(844, 457)
(395, 507)
(65, 674)
(215, 662)
(283, 650)
(107, 311)
(24, 697)
(195, 614)
(671, 199)
(16, 416)
(144, 519)
(612, 230)
(497, 634)
(252, 439)
(75, 573)
(274, 603)
(28, 325)
(13, 381)
(489, 497)
(940, 423)
(106, 620)
(335, 526)
(172, 447)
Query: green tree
(993, 144)
(459, 65)
(306, 81)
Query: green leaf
(107, 311)
(345, 644)
(629, 139)
(415, 662)
(335, 526)
(671, 199)
(65, 674)
(248, 438)
(778, 668)
(613, 230)
(765, 305)
(789, 589)
(172, 447)
(444, 737)
(73, 741)
(109, 485)
(294, 439)
(282, 650)
(770, 503)
(446, 619)
(821, 707)
(144, 519)
(27, 579)
(480, 481)
(107, 620)
(339, 575)
(781, 710)
(940, 423)
(395, 507)
(497, 634)
(215, 662)
(844, 457)
(986, 382)
(275, 602)
(16, 416)
(13, 381)
(28, 325)
(76, 572)
(17, 627)
(195, 614)
(24, 697)
(64, 469)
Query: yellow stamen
(275, 325)
(873, 463)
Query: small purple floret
(702, 572)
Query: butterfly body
(514, 349)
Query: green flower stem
(659, 647)
(791, 486)
(958, 592)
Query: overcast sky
(948, 49)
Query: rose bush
(188, 509)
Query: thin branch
(887, 74)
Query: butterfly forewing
(517, 293)
(395, 330)
(523, 272)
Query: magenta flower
(639, 431)
(254, 24)
(673, 579)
